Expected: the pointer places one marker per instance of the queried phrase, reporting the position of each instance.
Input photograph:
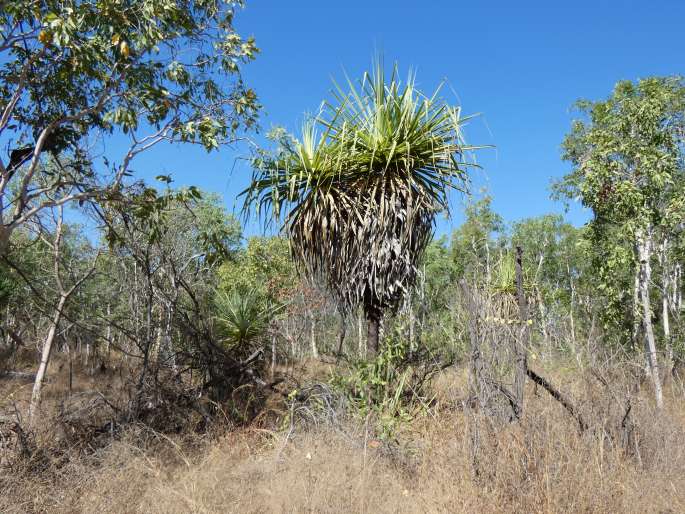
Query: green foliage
(189, 213)
(8, 285)
(253, 288)
(389, 388)
(439, 273)
(627, 155)
(73, 72)
(123, 64)
(554, 254)
(27, 255)
(263, 266)
(504, 275)
(243, 316)
(474, 242)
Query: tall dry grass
(452, 460)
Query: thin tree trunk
(572, 307)
(412, 328)
(341, 336)
(65, 293)
(109, 329)
(543, 316)
(360, 336)
(273, 356)
(637, 317)
(667, 282)
(36, 395)
(476, 361)
(541, 303)
(312, 335)
(666, 326)
(677, 293)
(520, 350)
(71, 368)
(644, 248)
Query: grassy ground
(450, 460)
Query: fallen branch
(560, 397)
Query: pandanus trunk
(373, 318)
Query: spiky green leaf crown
(360, 190)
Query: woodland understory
(158, 356)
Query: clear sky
(521, 64)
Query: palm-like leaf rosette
(358, 194)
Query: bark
(412, 323)
(341, 336)
(541, 303)
(572, 307)
(4, 240)
(644, 249)
(65, 293)
(667, 282)
(637, 317)
(476, 361)
(36, 395)
(665, 308)
(148, 341)
(360, 336)
(373, 318)
(543, 315)
(109, 329)
(677, 292)
(560, 397)
(312, 335)
(520, 349)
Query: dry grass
(451, 461)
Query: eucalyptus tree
(166, 248)
(358, 194)
(141, 72)
(68, 280)
(555, 262)
(475, 241)
(629, 164)
(24, 282)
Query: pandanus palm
(358, 194)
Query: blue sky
(520, 64)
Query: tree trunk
(373, 318)
(644, 250)
(520, 350)
(637, 317)
(476, 362)
(667, 326)
(541, 303)
(412, 323)
(572, 307)
(312, 335)
(341, 336)
(44, 361)
(543, 316)
(667, 282)
(273, 356)
(109, 330)
(360, 336)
